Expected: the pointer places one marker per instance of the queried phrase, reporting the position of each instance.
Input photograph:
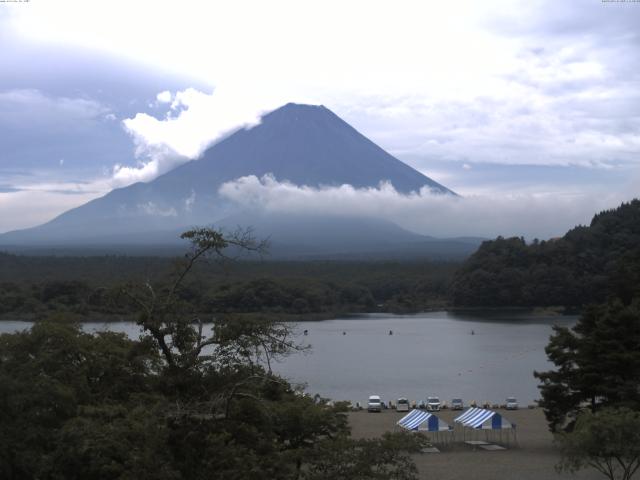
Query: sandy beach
(534, 457)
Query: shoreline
(556, 311)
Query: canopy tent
(486, 420)
(421, 421)
(483, 419)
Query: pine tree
(598, 364)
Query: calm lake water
(428, 354)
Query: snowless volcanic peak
(309, 145)
(302, 144)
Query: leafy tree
(608, 441)
(185, 401)
(365, 459)
(47, 377)
(114, 442)
(598, 364)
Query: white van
(433, 404)
(374, 404)
(402, 405)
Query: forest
(587, 265)
(89, 288)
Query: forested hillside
(587, 265)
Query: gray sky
(495, 100)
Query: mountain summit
(302, 144)
(306, 145)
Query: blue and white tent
(420, 421)
(480, 419)
(423, 422)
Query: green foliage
(80, 406)
(587, 265)
(48, 375)
(385, 458)
(88, 287)
(597, 364)
(113, 442)
(179, 403)
(608, 441)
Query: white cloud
(192, 122)
(153, 160)
(190, 201)
(515, 124)
(17, 208)
(34, 199)
(164, 97)
(150, 208)
(530, 215)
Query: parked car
(457, 404)
(512, 403)
(433, 404)
(402, 405)
(374, 404)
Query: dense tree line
(588, 265)
(88, 287)
(178, 403)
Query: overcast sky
(503, 102)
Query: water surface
(482, 358)
(476, 356)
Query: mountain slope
(303, 144)
(306, 145)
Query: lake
(428, 354)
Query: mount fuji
(301, 144)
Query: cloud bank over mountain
(193, 120)
(530, 215)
